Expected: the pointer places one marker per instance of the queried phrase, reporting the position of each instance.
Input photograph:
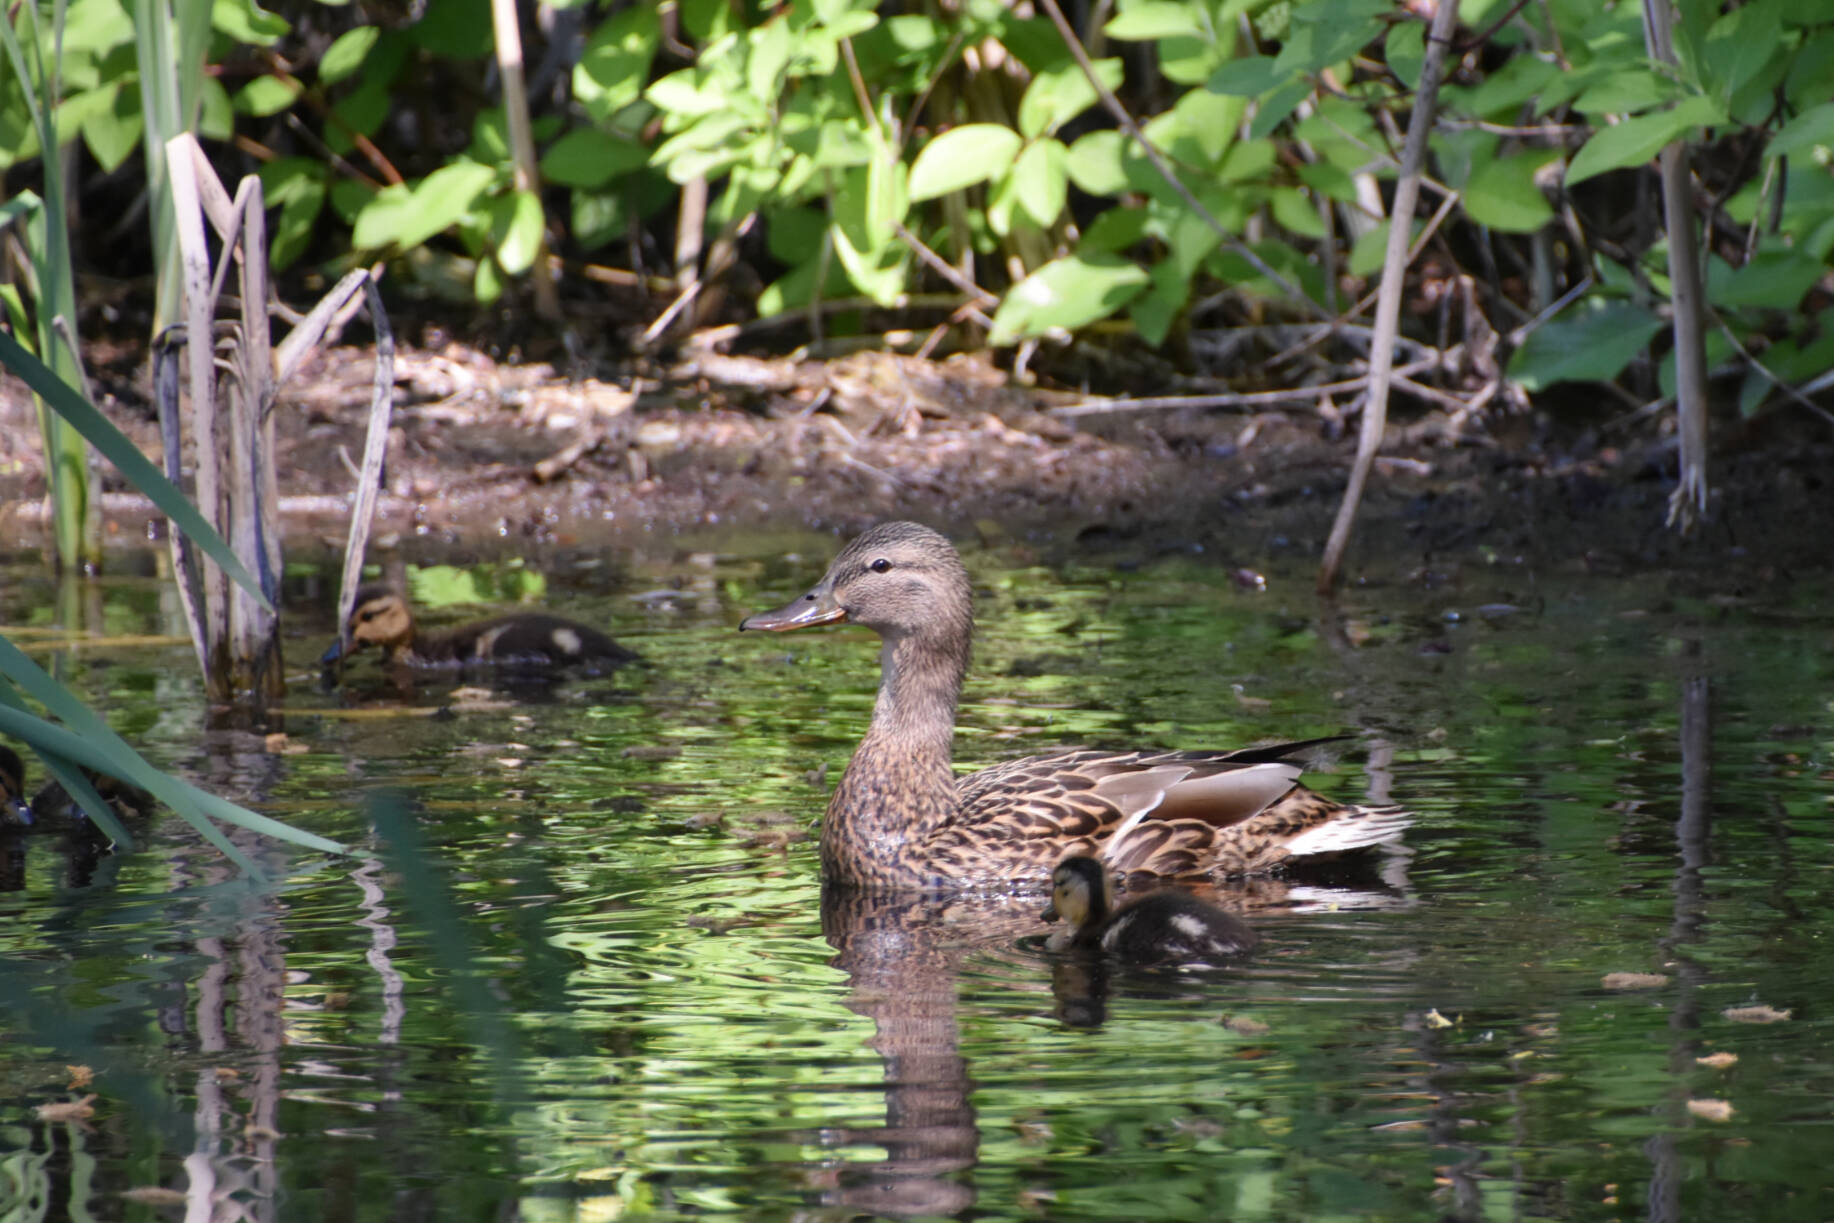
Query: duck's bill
(816, 607)
(1050, 912)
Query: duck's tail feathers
(1355, 827)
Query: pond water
(580, 966)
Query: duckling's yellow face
(1079, 892)
(1069, 897)
(381, 620)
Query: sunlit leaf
(347, 54)
(1066, 294)
(962, 157)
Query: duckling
(381, 617)
(53, 807)
(1167, 926)
(14, 810)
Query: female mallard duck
(381, 617)
(1166, 926)
(900, 818)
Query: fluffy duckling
(382, 618)
(1163, 927)
(53, 807)
(14, 810)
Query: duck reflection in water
(902, 953)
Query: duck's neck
(899, 786)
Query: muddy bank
(490, 456)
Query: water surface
(581, 967)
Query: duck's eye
(366, 616)
(880, 566)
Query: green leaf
(1627, 92)
(1326, 32)
(1097, 163)
(962, 157)
(1502, 193)
(1634, 141)
(1808, 130)
(1114, 230)
(487, 281)
(114, 132)
(590, 157)
(1059, 94)
(1247, 77)
(267, 95)
(616, 62)
(244, 21)
(347, 54)
(1593, 342)
(1153, 19)
(1405, 51)
(1776, 278)
(114, 446)
(516, 229)
(1154, 311)
(1040, 181)
(1297, 213)
(403, 217)
(878, 272)
(1066, 294)
(454, 29)
(1739, 46)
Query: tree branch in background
(1394, 278)
(1686, 296)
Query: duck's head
(1081, 892)
(13, 806)
(380, 617)
(900, 579)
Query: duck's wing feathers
(1167, 813)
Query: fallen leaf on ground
(1711, 1110)
(1718, 1061)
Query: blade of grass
(91, 735)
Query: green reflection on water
(602, 982)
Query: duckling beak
(1050, 912)
(816, 607)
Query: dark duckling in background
(14, 810)
(1167, 926)
(53, 808)
(382, 618)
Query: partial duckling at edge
(381, 617)
(54, 808)
(1167, 926)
